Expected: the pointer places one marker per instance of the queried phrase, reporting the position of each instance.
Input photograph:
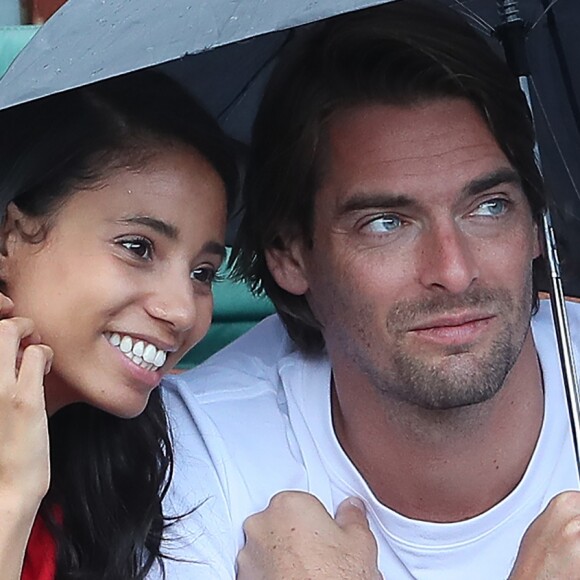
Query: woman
(113, 231)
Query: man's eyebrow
(161, 227)
(385, 199)
(363, 201)
(505, 176)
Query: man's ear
(539, 239)
(286, 263)
(10, 229)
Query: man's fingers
(351, 512)
(299, 503)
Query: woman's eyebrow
(165, 229)
(171, 232)
(214, 248)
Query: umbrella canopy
(223, 51)
(92, 40)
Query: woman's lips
(147, 379)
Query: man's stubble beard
(457, 379)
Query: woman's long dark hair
(109, 475)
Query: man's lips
(458, 329)
(452, 320)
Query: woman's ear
(10, 229)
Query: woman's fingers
(36, 362)
(6, 305)
(13, 331)
(24, 448)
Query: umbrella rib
(555, 139)
(544, 12)
(251, 80)
(562, 60)
(469, 13)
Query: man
(392, 216)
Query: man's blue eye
(493, 208)
(386, 223)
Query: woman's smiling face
(120, 287)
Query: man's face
(420, 271)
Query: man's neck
(442, 466)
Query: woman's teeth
(143, 354)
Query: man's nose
(449, 259)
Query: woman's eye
(386, 223)
(492, 207)
(141, 247)
(204, 274)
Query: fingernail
(47, 366)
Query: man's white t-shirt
(255, 419)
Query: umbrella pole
(512, 34)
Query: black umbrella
(223, 51)
(223, 47)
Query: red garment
(40, 558)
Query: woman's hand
(296, 538)
(24, 451)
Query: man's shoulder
(244, 368)
(230, 414)
(544, 329)
(543, 320)
(573, 310)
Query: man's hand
(550, 548)
(295, 538)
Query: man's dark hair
(401, 53)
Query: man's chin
(451, 381)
